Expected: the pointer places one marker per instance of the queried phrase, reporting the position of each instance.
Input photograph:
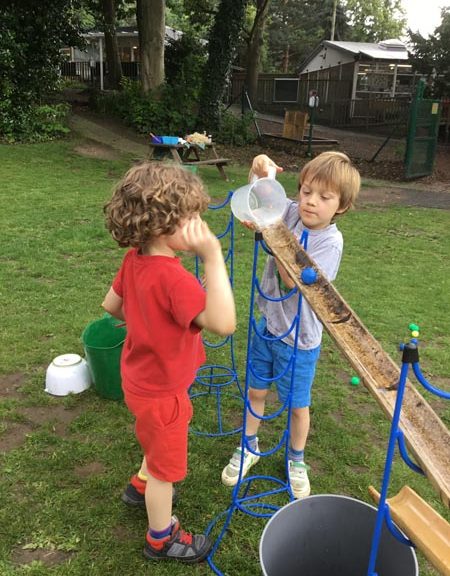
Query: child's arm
(287, 280)
(113, 304)
(219, 315)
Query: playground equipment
(415, 515)
(314, 526)
(422, 524)
(214, 382)
(297, 131)
(426, 436)
(257, 505)
(424, 432)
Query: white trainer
(230, 473)
(298, 479)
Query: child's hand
(262, 165)
(249, 224)
(199, 238)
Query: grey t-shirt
(325, 248)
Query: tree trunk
(223, 39)
(285, 64)
(255, 44)
(150, 16)
(111, 46)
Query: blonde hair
(151, 200)
(336, 171)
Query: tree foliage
(31, 37)
(374, 20)
(223, 40)
(184, 62)
(200, 13)
(255, 42)
(296, 28)
(431, 56)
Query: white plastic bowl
(68, 373)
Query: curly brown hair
(151, 200)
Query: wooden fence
(280, 92)
(336, 108)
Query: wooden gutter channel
(426, 435)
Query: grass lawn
(65, 461)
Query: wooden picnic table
(193, 155)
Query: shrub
(236, 130)
(172, 109)
(32, 122)
(31, 37)
(169, 112)
(166, 111)
(184, 61)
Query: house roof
(385, 50)
(127, 31)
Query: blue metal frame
(241, 501)
(410, 357)
(215, 380)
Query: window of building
(285, 89)
(384, 79)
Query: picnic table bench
(190, 156)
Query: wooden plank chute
(295, 131)
(426, 436)
(422, 525)
(295, 124)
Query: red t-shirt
(163, 348)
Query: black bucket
(328, 535)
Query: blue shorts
(269, 359)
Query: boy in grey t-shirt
(328, 186)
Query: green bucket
(103, 341)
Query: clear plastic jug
(261, 202)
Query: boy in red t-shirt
(156, 210)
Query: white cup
(261, 202)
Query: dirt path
(108, 134)
(108, 138)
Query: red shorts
(162, 426)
